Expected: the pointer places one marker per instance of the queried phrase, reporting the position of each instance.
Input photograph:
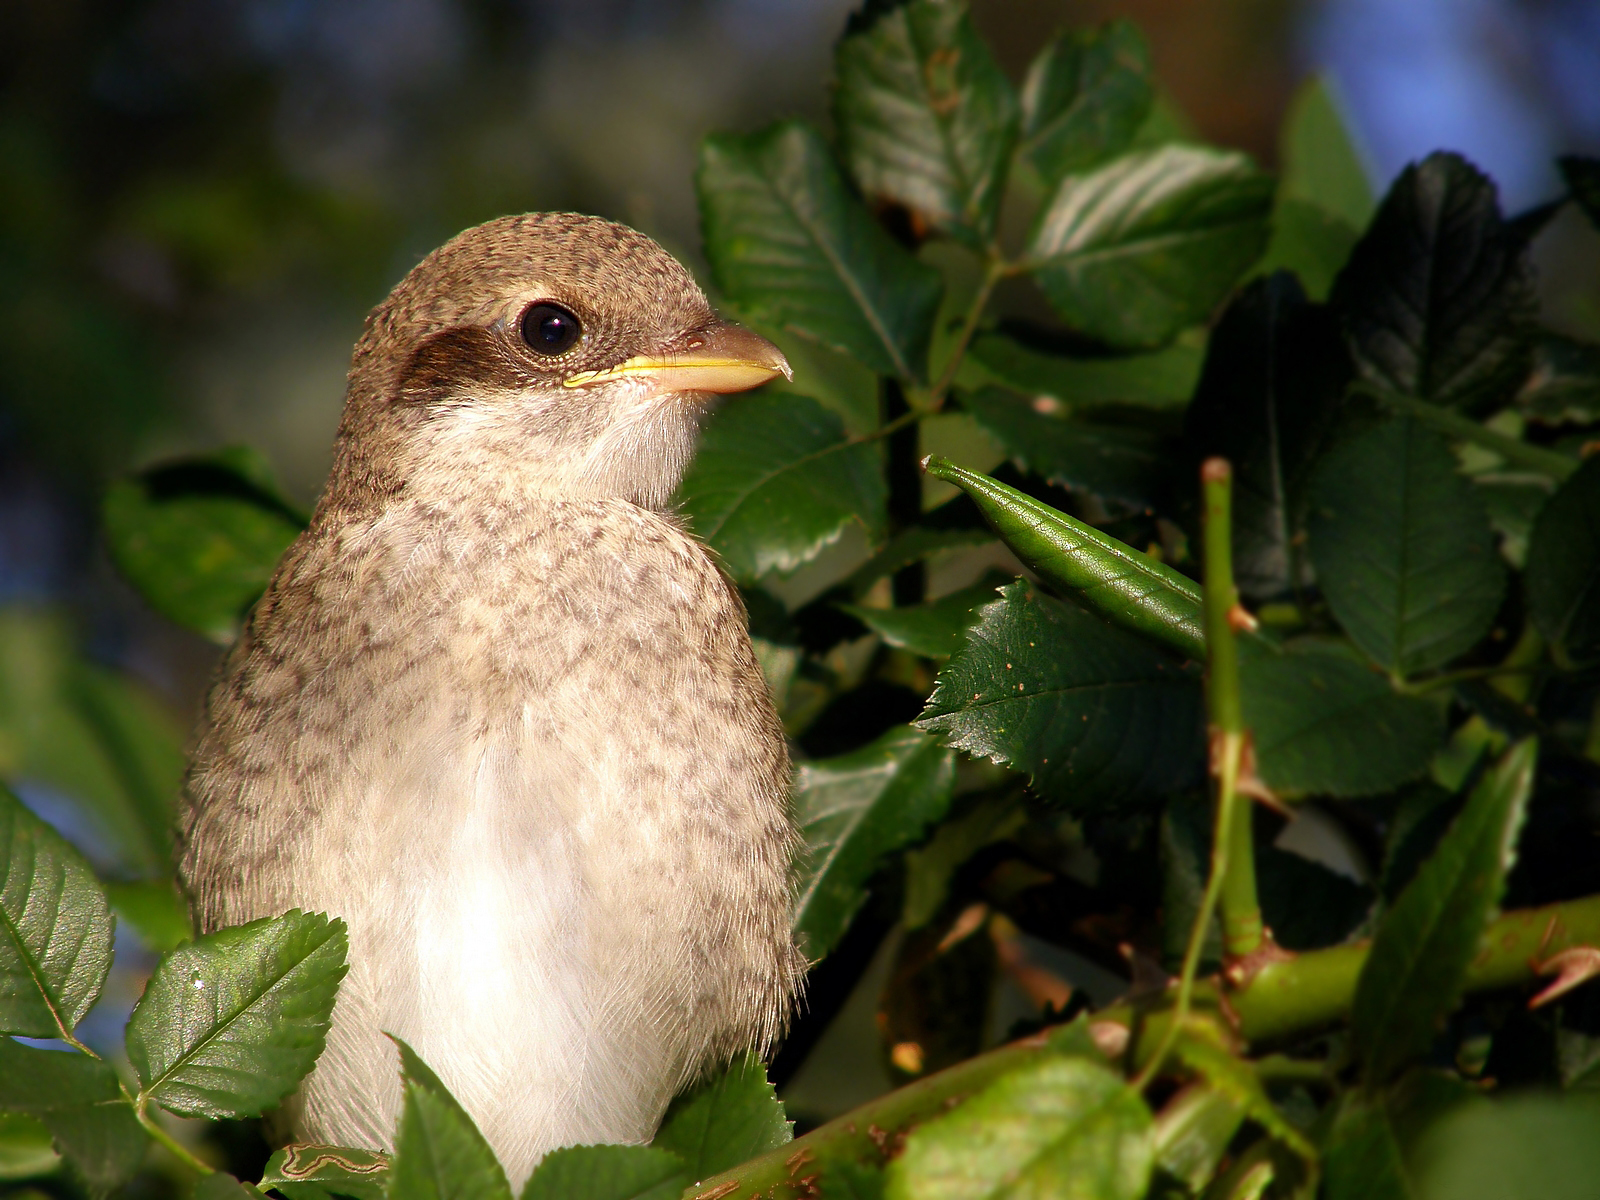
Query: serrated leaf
(1583, 181)
(608, 1173)
(1438, 294)
(1320, 163)
(935, 628)
(1062, 1126)
(725, 1121)
(231, 1022)
(925, 116)
(303, 1171)
(790, 245)
(1129, 463)
(776, 481)
(1149, 243)
(200, 538)
(80, 1101)
(1162, 379)
(1095, 715)
(1412, 978)
(1267, 400)
(1086, 95)
(1327, 725)
(1108, 577)
(1563, 572)
(853, 811)
(55, 928)
(439, 1153)
(1403, 547)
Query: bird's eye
(550, 329)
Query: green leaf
(1311, 243)
(1192, 1132)
(1110, 578)
(1530, 1147)
(219, 1185)
(1058, 1127)
(1327, 725)
(1563, 573)
(302, 1171)
(1413, 975)
(1094, 714)
(1237, 1079)
(1129, 462)
(81, 1102)
(1370, 1150)
(936, 628)
(55, 928)
(104, 744)
(1583, 181)
(1403, 548)
(1163, 379)
(775, 482)
(1267, 400)
(200, 538)
(155, 909)
(909, 546)
(230, 1023)
(854, 811)
(1438, 293)
(925, 116)
(790, 245)
(1086, 95)
(1320, 163)
(725, 1121)
(1149, 243)
(608, 1173)
(439, 1153)
(26, 1148)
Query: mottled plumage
(500, 712)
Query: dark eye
(550, 329)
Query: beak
(724, 358)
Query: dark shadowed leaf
(1438, 294)
(1108, 577)
(608, 1173)
(1306, 905)
(230, 1023)
(791, 246)
(1149, 243)
(1370, 1150)
(308, 1172)
(925, 116)
(936, 628)
(55, 928)
(1319, 161)
(1267, 400)
(439, 1153)
(1583, 181)
(1564, 385)
(1563, 575)
(775, 482)
(1162, 379)
(1127, 462)
(725, 1121)
(1059, 1127)
(200, 538)
(1328, 725)
(1085, 97)
(81, 1103)
(853, 811)
(1403, 547)
(1094, 714)
(1413, 976)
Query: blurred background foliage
(200, 199)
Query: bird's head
(550, 354)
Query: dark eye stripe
(550, 329)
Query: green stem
(176, 1148)
(1535, 458)
(995, 269)
(1281, 1001)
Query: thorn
(1571, 967)
(1216, 470)
(1241, 620)
(926, 459)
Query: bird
(498, 709)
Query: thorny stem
(1536, 458)
(1233, 878)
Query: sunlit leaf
(439, 1153)
(608, 1173)
(1086, 95)
(934, 628)
(304, 1171)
